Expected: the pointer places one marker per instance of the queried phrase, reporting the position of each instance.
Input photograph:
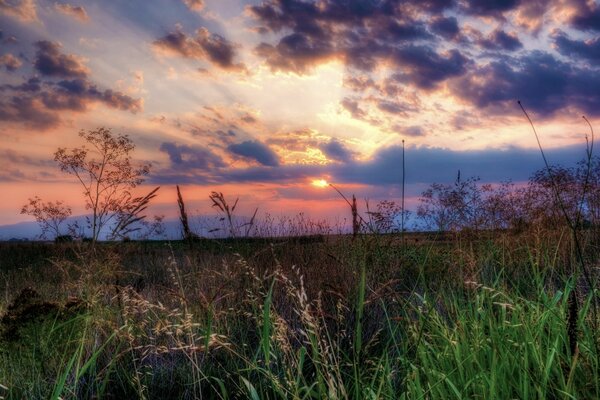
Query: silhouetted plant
(183, 218)
(130, 218)
(227, 211)
(49, 215)
(451, 207)
(107, 174)
(572, 212)
(385, 218)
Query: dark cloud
(28, 111)
(587, 17)
(500, 40)
(38, 101)
(37, 104)
(11, 157)
(445, 27)
(249, 119)
(424, 165)
(352, 106)
(363, 35)
(336, 150)
(255, 150)
(543, 83)
(77, 12)
(407, 30)
(435, 6)
(50, 61)
(359, 83)
(286, 173)
(412, 131)
(393, 107)
(489, 7)
(31, 85)
(296, 52)
(204, 46)
(10, 62)
(426, 68)
(588, 50)
(185, 158)
(76, 94)
(10, 39)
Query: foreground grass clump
(329, 318)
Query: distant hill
(202, 225)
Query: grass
(461, 318)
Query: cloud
(38, 101)
(29, 111)
(249, 119)
(10, 39)
(194, 5)
(500, 40)
(588, 50)
(50, 61)
(489, 7)
(336, 150)
(255, 150)
(204, 46)
(412, 131)
(530, 14)
(587, 16)
(296, 52)
(25, 10)
(446, 27)
(76, 94)
(351, 105)
(542, 82)
(426, 68)
(392, 107)
(424, 165)
(37, 104)
(11, 157)
(296, 141)
(10, 62)
(262, 174)
(184, 158)
(77, 12)
(362, 36)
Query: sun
(320, 183)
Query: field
(476, 315)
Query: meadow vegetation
(495, 299)
(468, 313)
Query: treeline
(550, 195)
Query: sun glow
(320, 183)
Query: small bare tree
(451, 207)
(49, 215)
(384, 219)
(107, 174)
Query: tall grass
(341, 318)
(345, 319)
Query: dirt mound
(29, 307)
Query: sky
(258, 99)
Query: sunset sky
(259, 99)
